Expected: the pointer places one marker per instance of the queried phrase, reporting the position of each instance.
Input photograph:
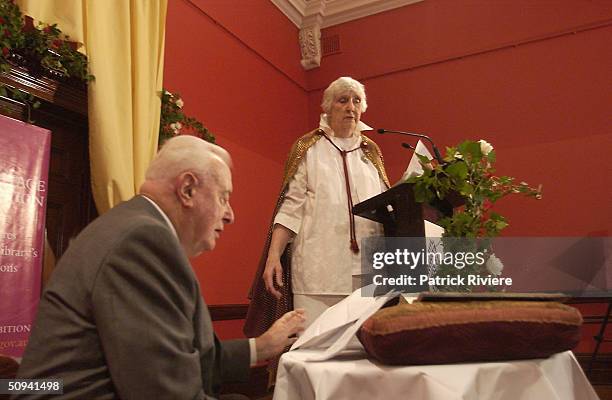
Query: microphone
(435, 149)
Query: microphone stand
(433, 146)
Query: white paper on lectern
(414, 166)
(432, 230)
(433, 234)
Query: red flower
(56, 43)
(28, 25)
(7, 33)
(2, 21)
(5, 51)
(47, 29)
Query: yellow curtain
(124, 41)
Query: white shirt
(315, 209)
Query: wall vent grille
(330, 45)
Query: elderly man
(123, 316)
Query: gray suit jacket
(122, 317)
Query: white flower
(458, 155)
(179, 103)
(494, 265)
(167, 93)
(176, 127)
(485, 147)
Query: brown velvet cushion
(439, 333)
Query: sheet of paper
(347, 336)
(414, 166)
(346, 311)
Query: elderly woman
(311, 259)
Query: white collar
(361, 126)
(163, 214)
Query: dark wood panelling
(224, 312)
(69, 95)
(63, 110)
(601, 372)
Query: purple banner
(24, 169)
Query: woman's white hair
(186, 153)
(342, 85)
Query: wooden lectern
(400, 215)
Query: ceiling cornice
(310, 16)
(334, 12)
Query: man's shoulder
(135, 217)
(137, 211)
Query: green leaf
(458, 170)
(471, 150)
(466, 189)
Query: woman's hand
(273, 272)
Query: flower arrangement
(173, 121)
(468, 172)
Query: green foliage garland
(41, 48)
(173, 120)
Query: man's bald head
(185, 153)
(190, 180)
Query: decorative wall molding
(334, 12)
(310, 16)
(310, 46)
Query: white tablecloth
(352, 376)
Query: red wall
(233, 80)
(532, 78)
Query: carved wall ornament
(310, 45)
(328, 13)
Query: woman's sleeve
(291, 211)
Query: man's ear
(187, 183)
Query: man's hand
(275, 339)
(273, 272)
